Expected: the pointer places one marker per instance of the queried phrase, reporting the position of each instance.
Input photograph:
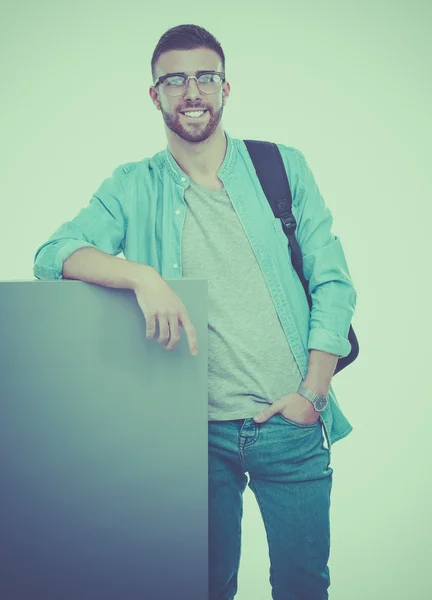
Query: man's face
(190, 129)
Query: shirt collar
(225, 169)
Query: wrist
(316, 386)
(319, 401)
(138, 275)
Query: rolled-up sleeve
(102, 225)
(330, 286)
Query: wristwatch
(319, 402)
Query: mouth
(194, 114)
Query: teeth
(195, 114)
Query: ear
(153, 94)
(225, 94)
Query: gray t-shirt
(250, 361)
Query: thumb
(264, 415)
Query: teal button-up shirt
(142, 203)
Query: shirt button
(177, 212)
(183, 179)
(175, 265)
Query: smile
(194, 114)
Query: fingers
(172, 332)
(190, 332)
(159, 304)
(151, 326)
(169, 330)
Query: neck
(202, 159)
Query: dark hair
(186, 37)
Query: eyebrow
(185, 74)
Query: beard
(190, 131)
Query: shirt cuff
(65, 252)
(328, 341)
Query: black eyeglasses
(175, 84)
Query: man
(196, 209)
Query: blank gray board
(103, 447)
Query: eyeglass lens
(207, 84)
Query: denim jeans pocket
(302, 425)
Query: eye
(175, 80)
(209, 78)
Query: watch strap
(310, 395)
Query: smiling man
(196, 209)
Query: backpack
(273, 177)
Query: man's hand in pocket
(294, 407)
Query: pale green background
(348, 83)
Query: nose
(192, 89)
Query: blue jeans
(290, 475)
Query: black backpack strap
(273, 177)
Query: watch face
(321, 403)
